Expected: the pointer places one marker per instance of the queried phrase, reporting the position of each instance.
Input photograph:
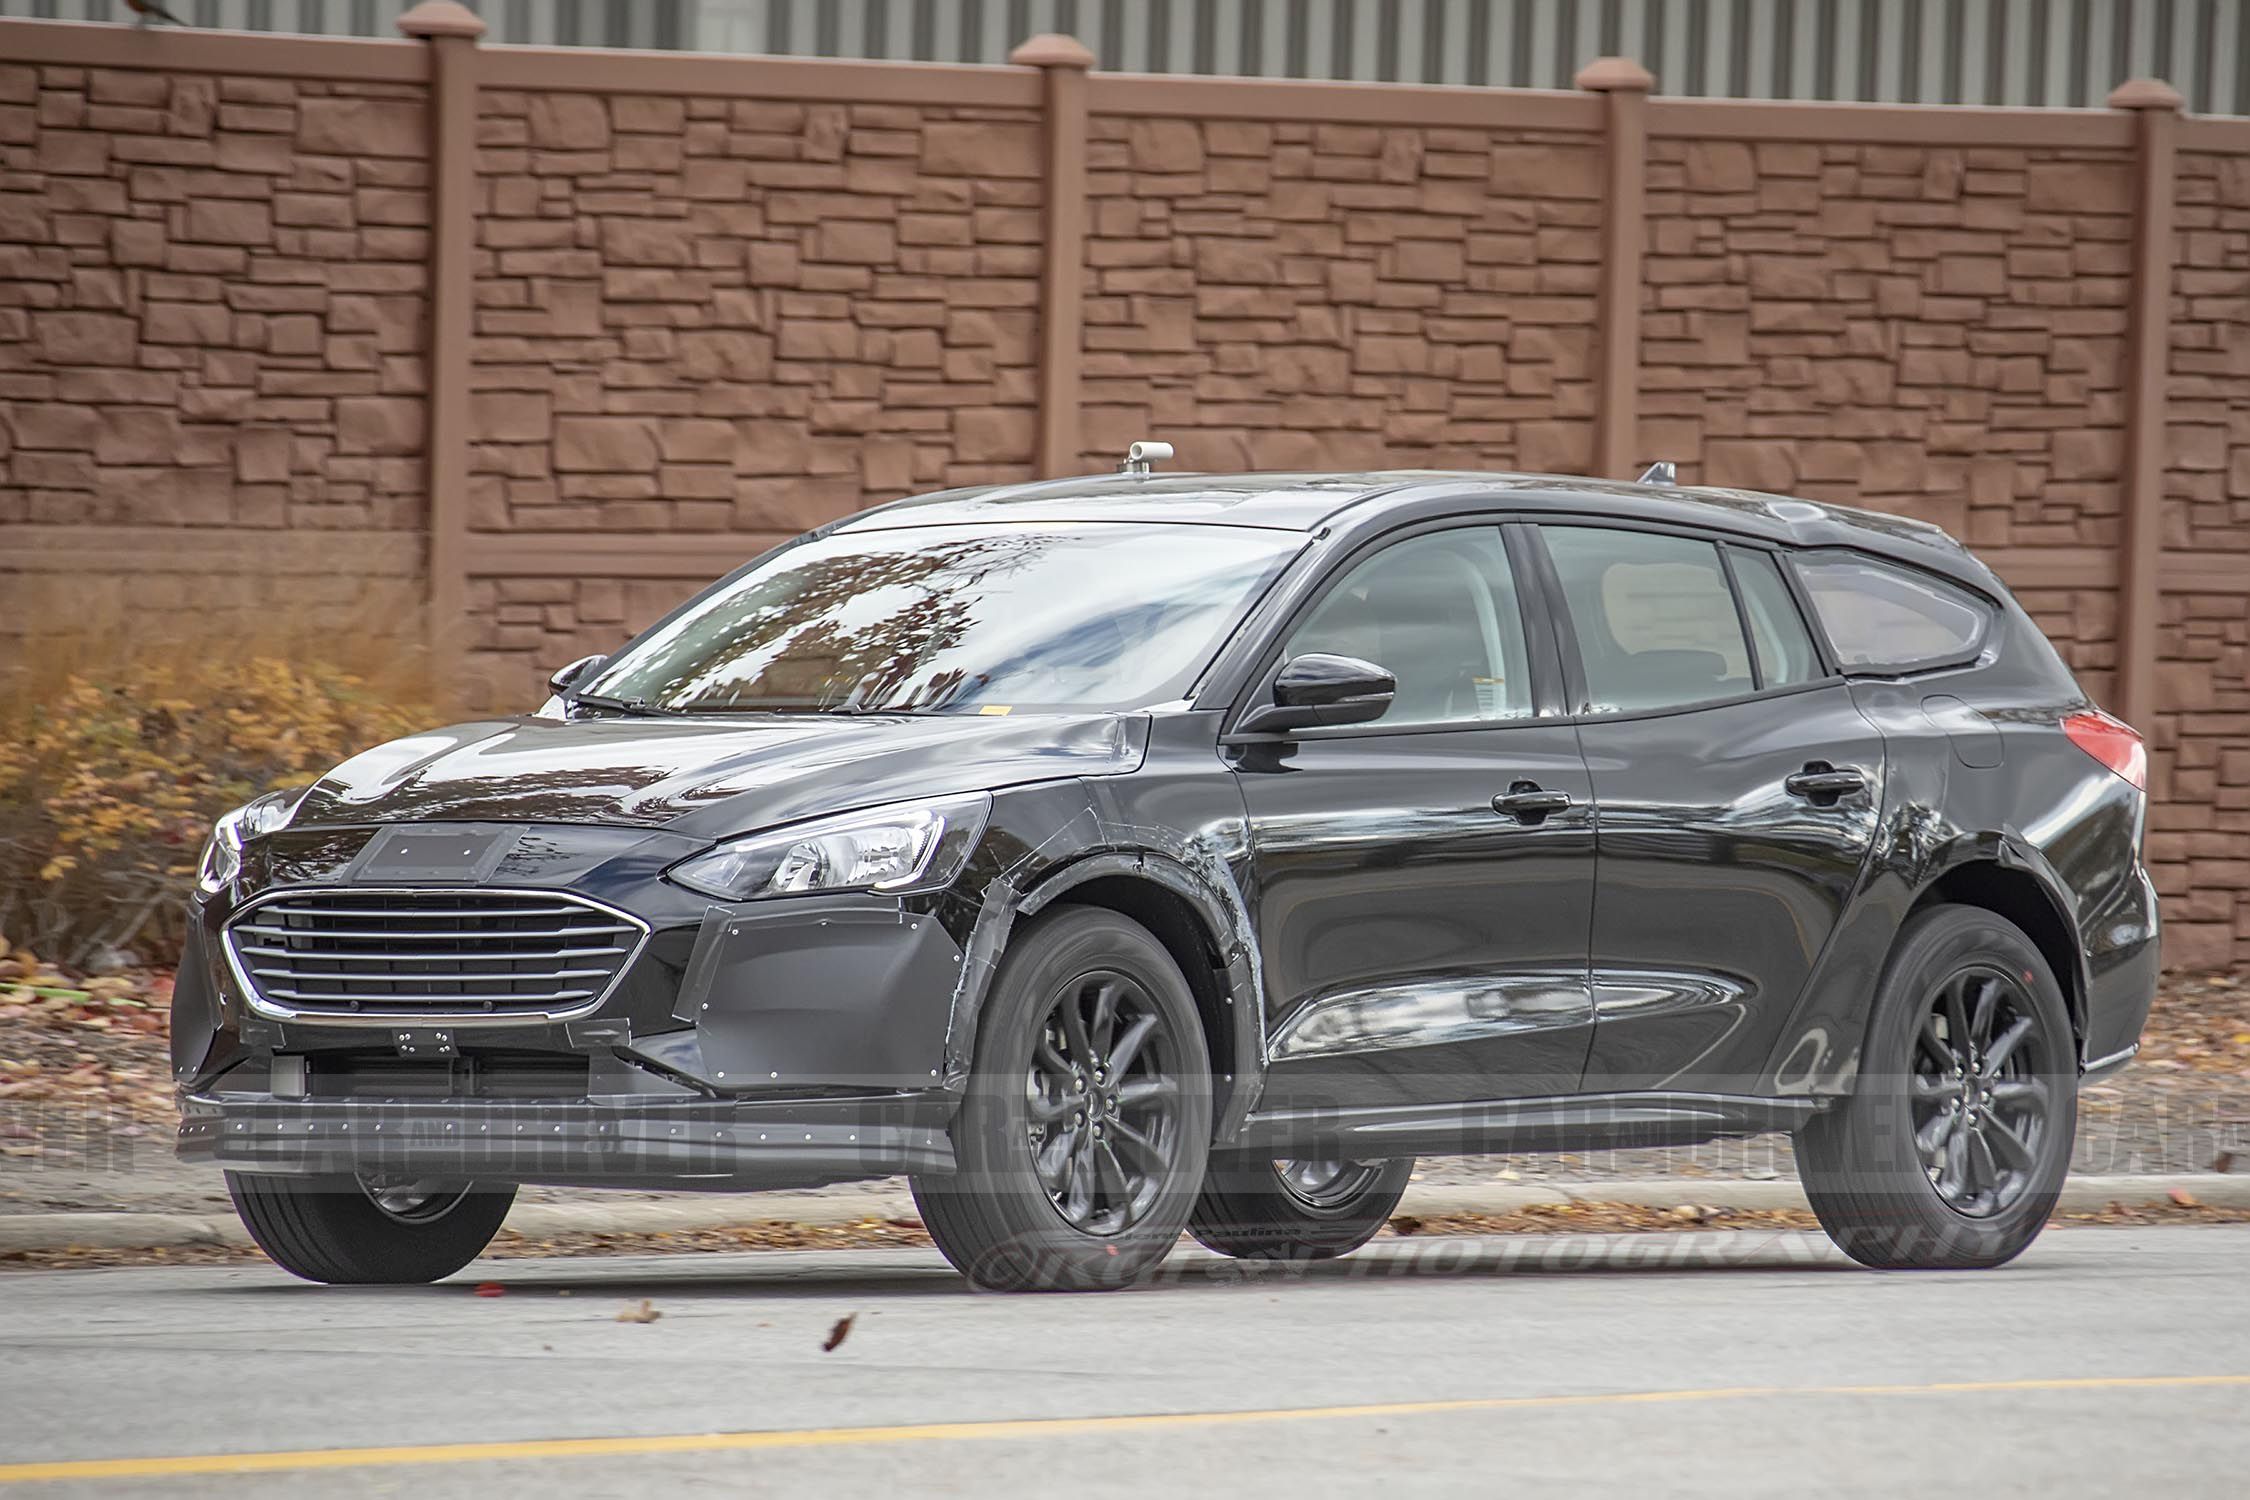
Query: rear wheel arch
(2012, 890)
(1876, 1163)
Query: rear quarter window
(1880, 614)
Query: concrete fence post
(451, 31)
(2156, 126)
(1062, 279)
(1624, 86)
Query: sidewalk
(624, 1214)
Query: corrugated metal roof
(2015, 52)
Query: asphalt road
(2106, 1361)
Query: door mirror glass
(566, 678)
(1318, 688)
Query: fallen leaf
(2223, 1162)
(1405, 1224)
(491, 1289)
(644, 1312)
(2184, 1198)
(837, 1335)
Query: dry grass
(121, 741)
(372, 641)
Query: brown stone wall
(2199, 825)
(2200, 830)
(2207, 467)
(531, 625)
(211, 306)
(711, 302)
(1283, 296)
(713, 315)
(1932, 331)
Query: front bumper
(620, 1143)
(761, 1044)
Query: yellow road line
(1037, 1427)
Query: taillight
(2112, 741)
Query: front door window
(1438, 612)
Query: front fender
(1064, 843)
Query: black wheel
(346, 1230)
(1257, 1208)
(1952, 1149)
(1083, 1136)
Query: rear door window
(1655, 619)
(1777, 629)
(1883, 615)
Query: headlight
(913, 846)
(222, 852)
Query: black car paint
(702, 777)
(1329, 890)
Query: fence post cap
(1615, 75)
(2145, 93)
(441, 18)
(1051, 49)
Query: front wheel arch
(997, 1217)
(1210, 939)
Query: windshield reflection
(958, 619)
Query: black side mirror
(1317, 689)
(566, 678)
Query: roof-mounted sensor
(1142, 458)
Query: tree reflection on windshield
(936, 619)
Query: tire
(1256, 1208)
(339, 1231)
(1058, 1188)
(1931, 1167)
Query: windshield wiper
(776, 710)
(639, 708)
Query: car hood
(709, 777)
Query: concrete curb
(153, 1231)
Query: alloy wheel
(1326, 1184)
(1103, 1099)
(413, 1200)
(1978, 1093)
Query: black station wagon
(1122, 855)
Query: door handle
(1821, 783)
(1528, 802)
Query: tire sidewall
(328, 1229)
(1033, 1245)
(1936, 946)
(1246, 1211)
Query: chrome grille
(459, 954)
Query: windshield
(957, 619)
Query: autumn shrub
(114, 762)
